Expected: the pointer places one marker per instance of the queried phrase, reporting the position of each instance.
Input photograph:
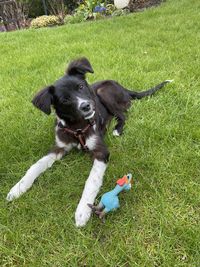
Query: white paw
(116, 133)
(82, 215)
(16, 191)
(169, 81)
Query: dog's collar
(78, 133)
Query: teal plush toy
(110, 201)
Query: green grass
(158, 223)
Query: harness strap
(78, 134)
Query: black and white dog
(83, 112)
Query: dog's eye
(81, 86)
(65, 101)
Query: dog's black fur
(107, 98)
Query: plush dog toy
(110, 201)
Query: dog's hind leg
(120, 124)
(34, 171)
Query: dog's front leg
(91, 189)
(33, 172)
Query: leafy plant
(76, 18)
(87, 8)
(110, 8)
(93, 9)
(45, 21)
(120, 12)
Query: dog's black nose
(85, 106)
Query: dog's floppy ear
(79, 67)
(44, 99)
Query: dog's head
(71, 95)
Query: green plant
(87, 9)
(120, 12)
(98, 16)
(45, 21)
(110, 8)
(91, 4)
(76, 18)
(93, 9)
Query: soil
(138, 5)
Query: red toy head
(122, 181)
(126, 179)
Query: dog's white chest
(90, 142)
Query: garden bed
(87, 10)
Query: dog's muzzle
(87, 110)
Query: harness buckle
(78, 132)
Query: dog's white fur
(80, 101)
(67, 147)
(33, 172)
(91, 142)
(91, 189)
(116, 133)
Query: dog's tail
(139, 95)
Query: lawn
(158, 223)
